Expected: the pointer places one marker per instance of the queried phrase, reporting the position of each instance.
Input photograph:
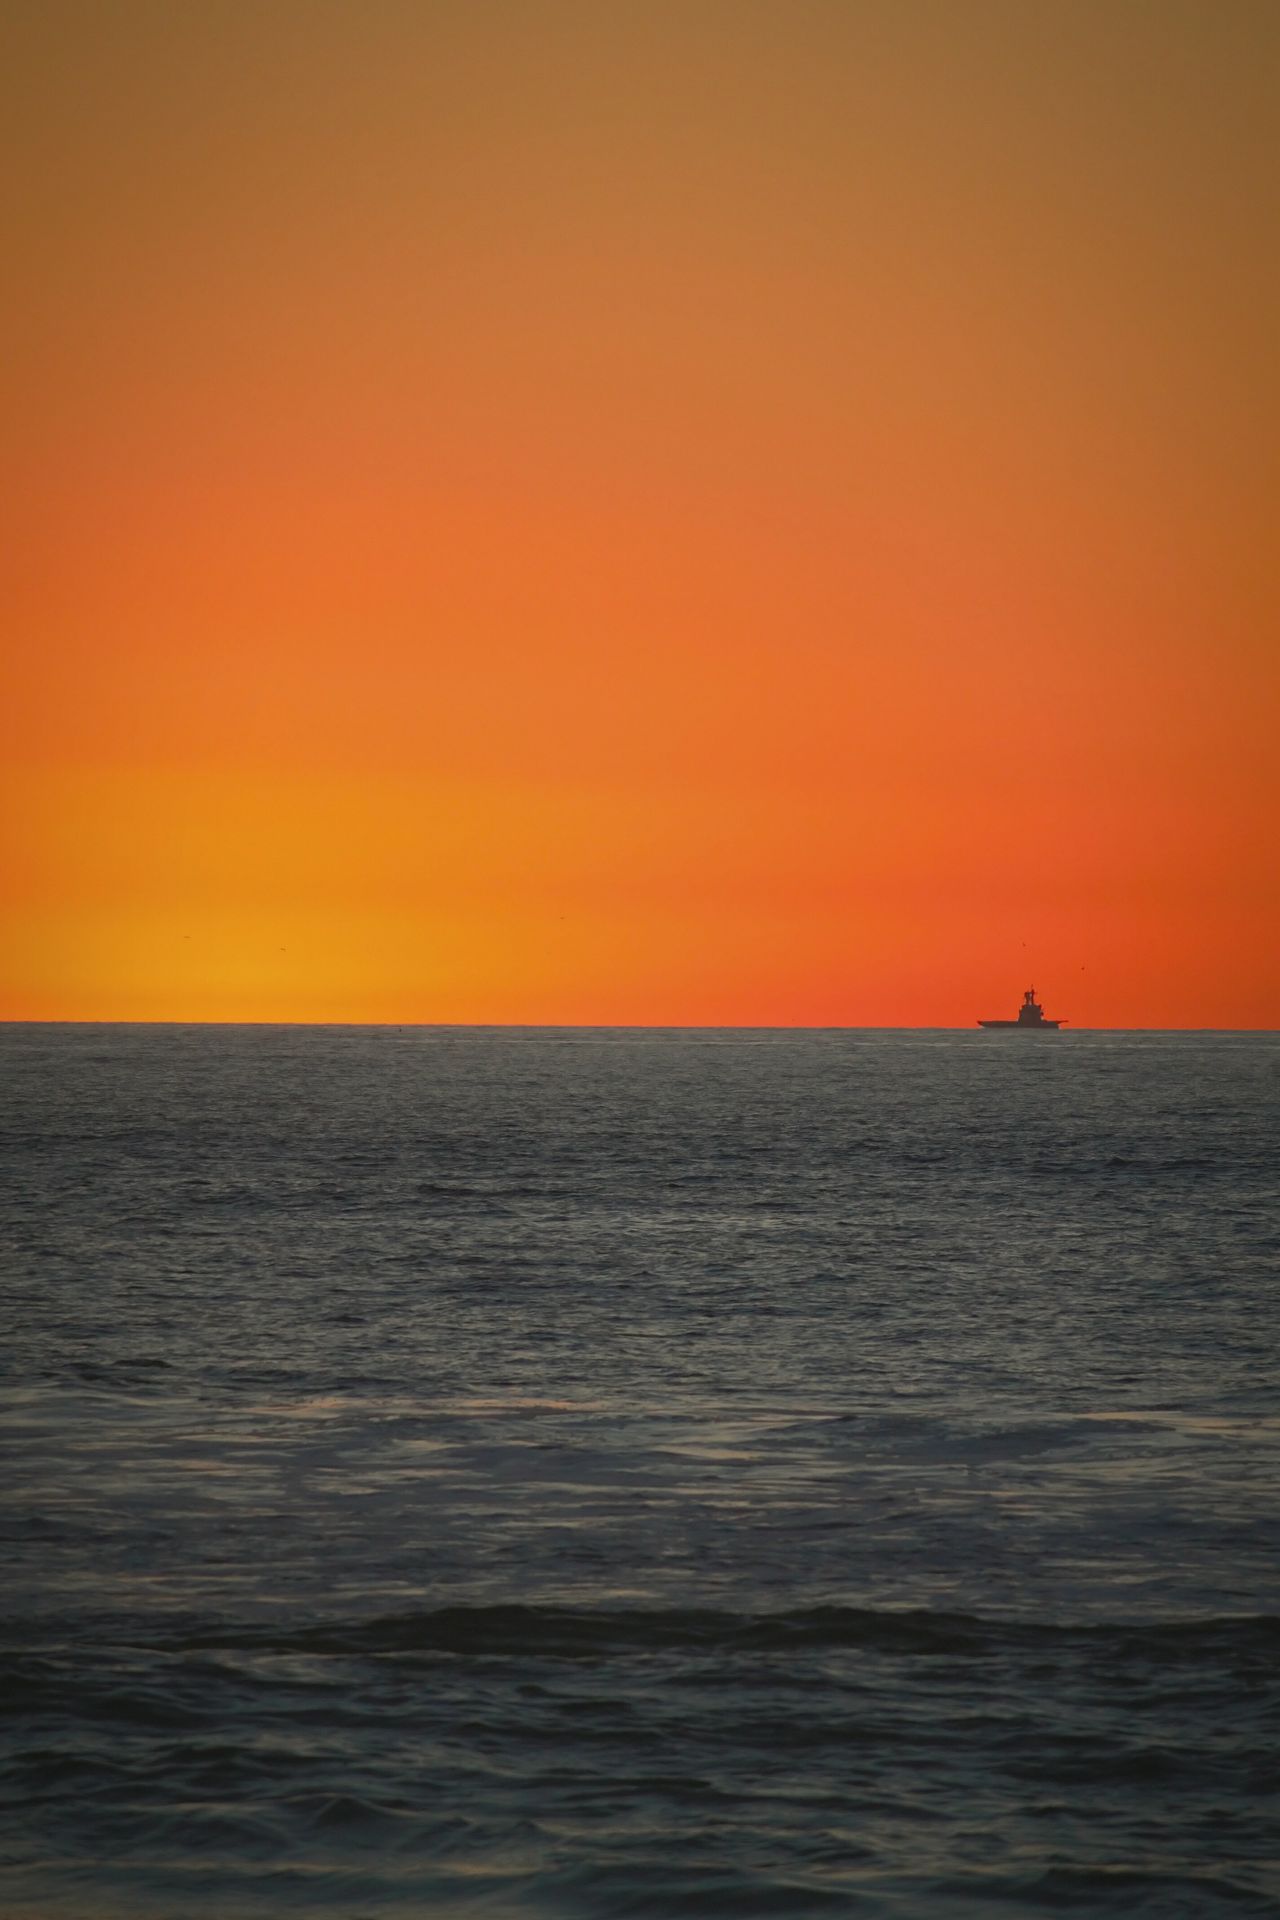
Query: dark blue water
(648, 1474)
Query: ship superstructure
(1031, 1017)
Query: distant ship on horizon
(1030, 1017)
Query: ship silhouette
(1030, 1017)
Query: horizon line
(605, 1026)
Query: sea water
(591, 1473)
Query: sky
(678, 512)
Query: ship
(1030, 1017)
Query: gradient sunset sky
(721, 511)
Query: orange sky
(747, 511)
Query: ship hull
(1023, 1026)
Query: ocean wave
(572, 1633)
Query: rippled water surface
(649, 1474)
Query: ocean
(602, 1473)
